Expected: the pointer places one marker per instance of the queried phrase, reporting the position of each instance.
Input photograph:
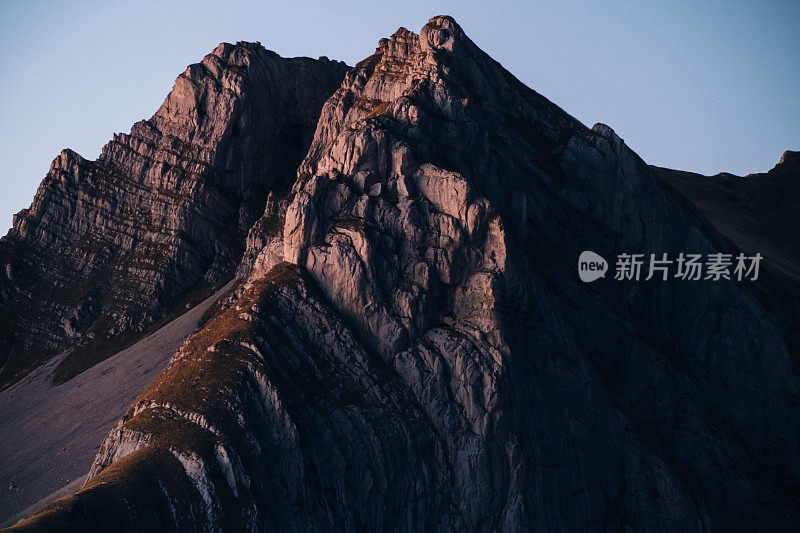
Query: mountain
(110, 247)
(111, 250)
(406, 344)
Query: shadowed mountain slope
(758, 212)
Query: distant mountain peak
(790, 162)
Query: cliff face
(409, 346)
(110, 246)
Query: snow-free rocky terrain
(51, 433)
(406, 344)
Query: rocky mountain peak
(442, 202)
(789, 163)
(163, 211)
(440, 33)
(408, 346)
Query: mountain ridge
(756, 212)
(163, 209)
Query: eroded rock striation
(109, 246)
(409, 346)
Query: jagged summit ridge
(164, 210)
(409, 347)
(441, 55)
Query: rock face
(109, 246)
(410, 348)
(789, 164)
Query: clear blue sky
(706, 86)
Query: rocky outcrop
(410, 347)
(110, 246)
(789, 163)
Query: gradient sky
(705, 86)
